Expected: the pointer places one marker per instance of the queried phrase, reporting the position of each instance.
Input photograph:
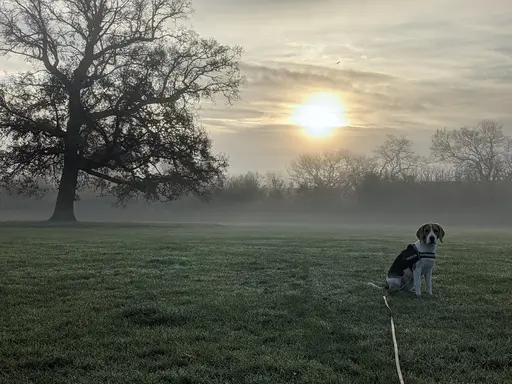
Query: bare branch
(478, 152)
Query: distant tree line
(468, 169)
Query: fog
(464, 207)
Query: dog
(415, 261)
(427, 235)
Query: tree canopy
(111, 99)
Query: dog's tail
(378, 286)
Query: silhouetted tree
(357, 167)
(480, 154)
(317, 171)
(431, 173)
(339, 170)
(396, 158)
(110, 100)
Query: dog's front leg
(428, 281)
(417, 280)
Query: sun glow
(320, 115)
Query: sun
(320, 115)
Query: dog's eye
(436, 230)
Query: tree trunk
(65, 206)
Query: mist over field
(473, 212)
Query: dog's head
(429, 233)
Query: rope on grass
(395, 345)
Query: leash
(403, 286)
(395, 345)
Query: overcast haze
(405, 67)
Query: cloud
(371, 97)
(377, 103)
(405, 67)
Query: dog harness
(407, 258)
(424, 255)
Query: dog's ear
(419, 232)
(441, 233)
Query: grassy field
(219, 304)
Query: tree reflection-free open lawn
(222, 304)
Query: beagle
(415, 261)
(427, 235)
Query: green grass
(219, 304)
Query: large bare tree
(110, 100)
(481, 153)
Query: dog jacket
(404, 260)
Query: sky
(405, 67)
